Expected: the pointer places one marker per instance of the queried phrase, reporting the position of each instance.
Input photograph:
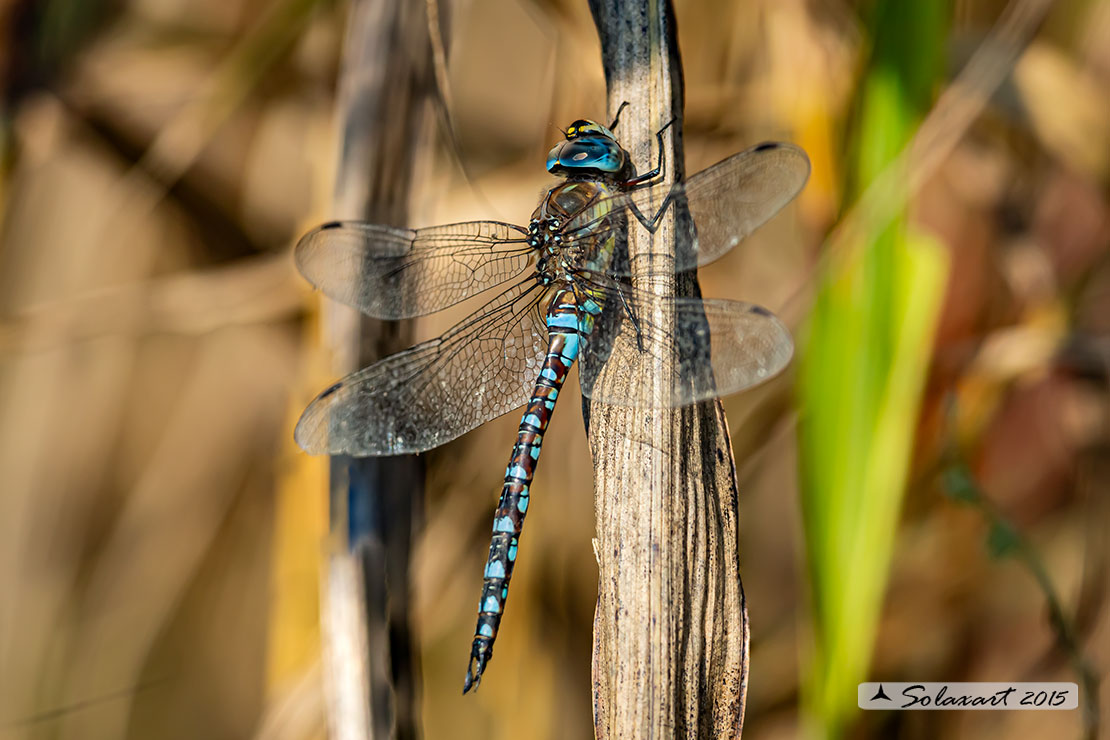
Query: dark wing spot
(761, 311)
(765, 146)
(329, 390)
(331, 225)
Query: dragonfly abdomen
(568, 320)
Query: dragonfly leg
(649, 176)
(617, 118)
(632, 317)
(651, 224)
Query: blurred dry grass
(158, 535)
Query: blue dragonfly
(559, 291)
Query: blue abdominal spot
(570, 347)
(563, 321)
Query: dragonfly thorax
(556, 260)
(570, 230)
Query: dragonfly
(560, 289)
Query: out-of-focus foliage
(159, 551)
(866, 350)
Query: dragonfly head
(589, 149)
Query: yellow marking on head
(570, 131)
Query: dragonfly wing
(429, 394)
(733, 198)
(393, 273)
(726, 203)
(666, 352)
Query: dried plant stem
(671, 630)
(372, 675)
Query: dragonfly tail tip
(474, 672)
(471, 682)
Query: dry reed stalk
(372, 676)
(671, 629)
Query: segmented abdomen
(569, 318)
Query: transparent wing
(726, 202)
(648, 350)
(429, 394)
(393, 273)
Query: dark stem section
(386, 85)
(671, 630)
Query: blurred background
(923, 494)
